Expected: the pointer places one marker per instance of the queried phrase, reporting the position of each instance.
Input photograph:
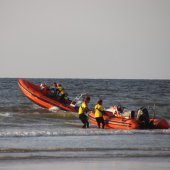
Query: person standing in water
(99, 111)
(83, 109)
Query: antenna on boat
(77, 99)
(153, 110)
(154, 113)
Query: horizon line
(84, 78)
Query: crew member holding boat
(99, 111)
(83, 109)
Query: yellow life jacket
(98, 110)
(83, 107)
(61, 90)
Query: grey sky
(85, 38)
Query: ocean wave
(7, 114)
(41, 113)
(22, 108)
(60, 132)
(78, 132)
(57, 153)
(56, 149)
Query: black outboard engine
(143, 117)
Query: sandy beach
(81, 164)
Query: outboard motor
(143, 117)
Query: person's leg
(81, 117)
(98, 122)
(103, 123)
(86, 121)
(87, 124)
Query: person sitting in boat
(143, 117)
(44, 88)
(83, 109)
(54, 89)
(99, 111)
(61, 91)
(118, 111)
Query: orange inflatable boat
(114, 122)
(35, 94)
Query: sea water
(28, 131)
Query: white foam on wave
(76, 132)
(7, 114)
(60, 132)
(54, 109)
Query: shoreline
(87, 163)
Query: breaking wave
(57, 153)
(68, 131)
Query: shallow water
(28, 131)
(83, 164)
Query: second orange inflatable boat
(125, 123)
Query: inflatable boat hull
(34, 93)
(123, 123)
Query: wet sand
(87, 164)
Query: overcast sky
(85, 39)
